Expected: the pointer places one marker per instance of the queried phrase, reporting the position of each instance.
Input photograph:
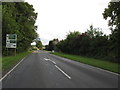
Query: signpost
(11, 41)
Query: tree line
(93, 43)
(18, 18)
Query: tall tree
(51, 46)
(39, 44)
(19, 18)
(112, 13)
(93, 32)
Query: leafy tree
(93, 32)
(71, 35)
(52, 45)
(112, 13)
(19, 18)
(39, 44)
(92, 43)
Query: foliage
(39, 44)
(112, 13)
(94, 32)
(92, 43)
(52, 45)
(18, 18)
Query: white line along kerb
(63, 72)
(11, 70)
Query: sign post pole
(15, 51)
(7, 51)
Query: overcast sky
(57, 17)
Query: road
(43, 70)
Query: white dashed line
(49, 60)
(52, 61)
(58, 68)
(46, 59)
(63, 72)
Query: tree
(39, 44)
(53, 45)
(113, 14)
(92, 43)
(50, 46)
(93, 32)
(19, 18)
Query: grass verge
(9, 61)
(94, 62)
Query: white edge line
(107, 71)
(63, 72)
(11, 70)
(94, 67)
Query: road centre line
(63, 72)
(52, 61)
(11, 70)
(49, 60)
(46, 59)
(58, 68)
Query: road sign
(11, 41)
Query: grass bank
(9, 61)
(94, 62)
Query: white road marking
(63, 72)
(52, 61)
(49, 60)
(11, 70)
(46, 59)
(107, 71)
(58, 68)
(92, 66)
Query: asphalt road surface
(43, 70)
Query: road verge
(106, 65)
(9, 62)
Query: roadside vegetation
(18, 18)
(93, 42)
(93, 47)
(10, 61)
(90, 61)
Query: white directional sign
(11, 41)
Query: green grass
(9, 61)
(94, 62)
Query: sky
(57, 17)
